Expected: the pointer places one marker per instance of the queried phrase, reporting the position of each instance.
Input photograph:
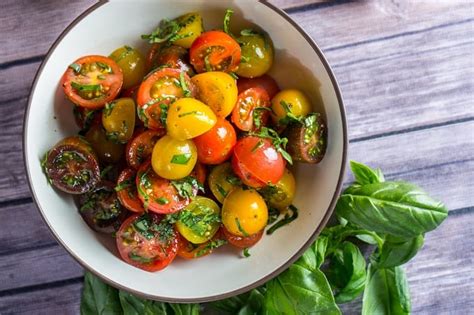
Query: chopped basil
(182, 159)
(101, 77)
(109, 107)
(184, 86)
(105, 67)
(166, 31)
(244, 59)
(86, 87)
(278, 143)
(210, 246)
(257, 146)
(163, 113)
(248, 32)
(285, 220)
(241, 229)
(199, 222)
(123, 185)
(233, 180)
(43, 162)
(221, 190)
(227, 16)
(207, 63)
(194, 112)
(186, 186)
(76, 67)
(273, 214)
(162, 201)
(140, 259)
(246, 253)
(290, 117)
(234, 75)
(106, 170)
(128, 50)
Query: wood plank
(436, 287)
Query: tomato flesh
(139, 149)
(127, 191)
(92, 81)
(252, 110)
(215, 51)
(144, 243)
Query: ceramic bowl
(299, 63)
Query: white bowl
(299, 63)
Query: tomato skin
(217, 47)
(140, 148)
(118, 119)
(281, 195)
(130, 241)
(190, 251)
(242, 241)
(298, 103)
(215, 146)
(244, 212)
(166, 157)
(245, 176)
(217, 90)
(132, 63)
(191, 23)
(265, 81)
(259, 158)
(128, 196)
(200, 173)
(189, 118)
(72, 158)
(250, 103)
(107, 150)
(257, 50)
(152, 187)
(111, 84)
(173, 56)
(219, 182)
(160, 89)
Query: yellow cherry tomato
(189, 118)
(257, 54)
(132, 63)
(172, 158)
(281, 194)
(290, 100)
(191, 28)
(244, 212)
(218, 90)
(222, 181)
(118, 119)
(199, 221)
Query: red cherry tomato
(158, 194)
(215, 146)
(171, 55)
(158, 90)
(257, 157)
(252, 110)
(199, 172)
(127, 190)
(92, 81)
(242, 241)
(139, 149)
(265, 81)
(215, 51)
(141, 245)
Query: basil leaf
(182, 159)
(366, 175)
(386, 292)
(396, 251)
(99, 298)
(185, 309)
(320, 249)
(301, 289)
(346, 272)
(86, 87)
(133, 305)
(396, 208)
(248, 303)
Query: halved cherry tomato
(190, 27)
(242, 241)
(281, 194)
(217, 90)
(107, 150)
(158, 194)
(245, 176)
(139, 149)
(199, 172)
(215, 51)
(244, 212)
(127, 191)
(144, 241)
(215, 146)
(118, 119)
(101, 209)
(257, 157)
(265, 81)
(132, 63)
(171, 56)
(252, 109)
(92, 81)
(257, 54)
(290, 101)
(158, 91)
(72, 166)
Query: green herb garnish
(227, 16)
(241, 229)
(184, 86)
(278, 142)
(76, 67)
(182, 159)
(288, 218)
(187, 186)
(86, 87)
(245, 252)
(123, 185)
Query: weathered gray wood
(440, 276)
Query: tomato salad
(187, 149)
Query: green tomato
(132, 64)
(199, 221)
(118, 119)
(222, 181)
(257, 54)
(172, 158)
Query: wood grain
(433, 265)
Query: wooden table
(407, 76)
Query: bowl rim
(273, 274)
